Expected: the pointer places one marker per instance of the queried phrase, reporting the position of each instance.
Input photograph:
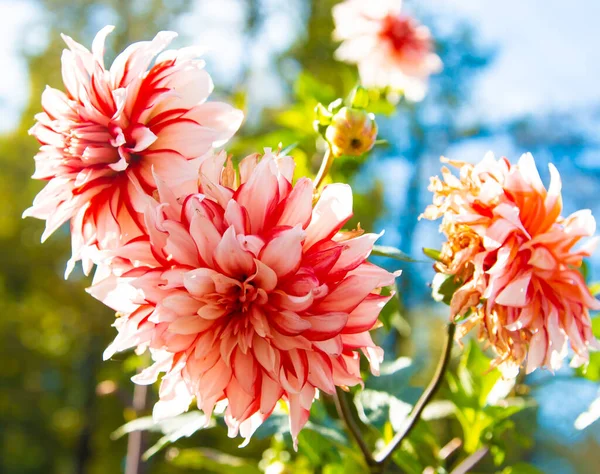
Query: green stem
(384, 456)
(469, 463)
(343, 409)
(378, 463)
(325, 167)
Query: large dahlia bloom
(390, 48)
(105, 138)
(516, 261)
(246, 294)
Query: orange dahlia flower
(516, 261)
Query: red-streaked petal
(283, 253)
(331, 212)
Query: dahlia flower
(112, 131)
(246, 294)
(516, 262)
(390, 48)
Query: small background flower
(389, 47)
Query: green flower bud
(352, 132)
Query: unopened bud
(352, 132)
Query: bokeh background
(519, 76)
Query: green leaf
(594, 288)
(391, 252)
(482, 407)
(522, 468)
(322, 115)
(418, 451)
(331, 434)
(591, 370)
(295, 119)
(210, 460)
(507, 409)
(432, 253)
(288, 149)
(585, 270)
(443, 287)
(376, 408)
(394, 379)
(308, 88)
(276, 423)
(359, 98)
(438, 409)
(318, 448)
(182, 426)
(596, 326)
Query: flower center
(356, 143)
(401, 33)
(239, 300)
(124, 143)
(249, 295)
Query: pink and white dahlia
(390, 48)
(246, 294)
(105, 138)
(516, 261)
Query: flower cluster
(244, 290)
(390, 48)
(247, 294)
(239, 281)
(516, 261)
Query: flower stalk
(135, 441)
(379, 461)
(328, 158)
(385, 455)
(343, 409)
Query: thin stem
(470, 462)
(343, 408)
(384, 456)
(325, 167)
(135, 441)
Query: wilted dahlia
(390, 48)
(246, 294)
(112, 130)
(516, 261)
